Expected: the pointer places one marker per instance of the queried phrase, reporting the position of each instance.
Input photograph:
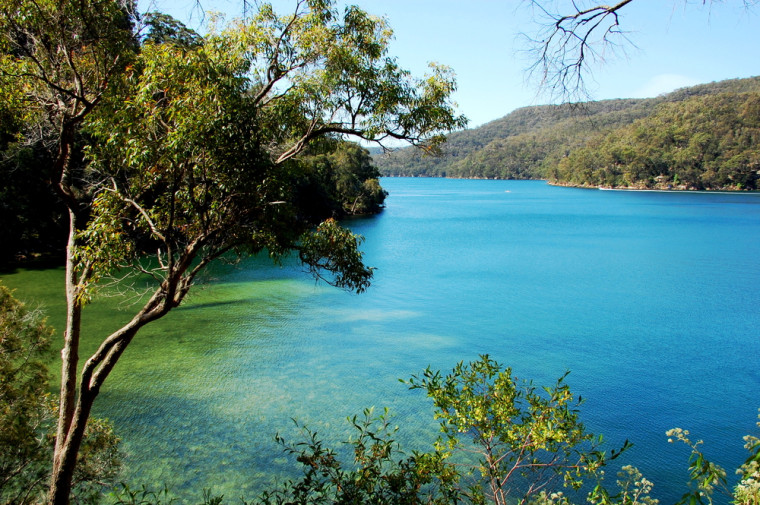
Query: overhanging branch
(566, 42)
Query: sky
(672, 44)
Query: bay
(650, 299)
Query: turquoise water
(649, 299)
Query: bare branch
(568, 43)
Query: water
(649, 299)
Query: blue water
(650, 299)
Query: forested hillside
(550, 142)
(707, 142)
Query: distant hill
(531, 142)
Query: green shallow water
(650, 299)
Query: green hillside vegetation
(710, 142)
(549, 142)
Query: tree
(345, 174)
(32, 213)
(164, 29)
(193, 151)
(356, 180)
(704, 142)
(523, 437)
(59, 59)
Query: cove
(649, 299)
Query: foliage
(164, 29)
(332, 249)
(25, 412)
(148, 496)
(57, 60)
(220, 188)
(701, 143)
(339, 178)
(225, 168)
(705, 477)
(633, 487)
(143, 496)
(28, 414)
(524, 437)
(31, 212)
(747, 491)
(381, 473)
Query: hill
(705, 142)
(530, 142)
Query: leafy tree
(58, 61)
(193, 151)
(32, 214)
(24, 403)
(356, 179)
(523, 437)
(162, 28)
(705, 142)
(702, 137)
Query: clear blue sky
(677, 43)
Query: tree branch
(565, 44)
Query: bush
(28, 416)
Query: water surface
(649, 299)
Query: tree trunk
(75, 410)
(72, 427)
(72, 331)
(77, 396)
(65, 458)
(72, 412)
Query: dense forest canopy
(552, 142)
(710, 142)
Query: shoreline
(656, 189)
(644, 189)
